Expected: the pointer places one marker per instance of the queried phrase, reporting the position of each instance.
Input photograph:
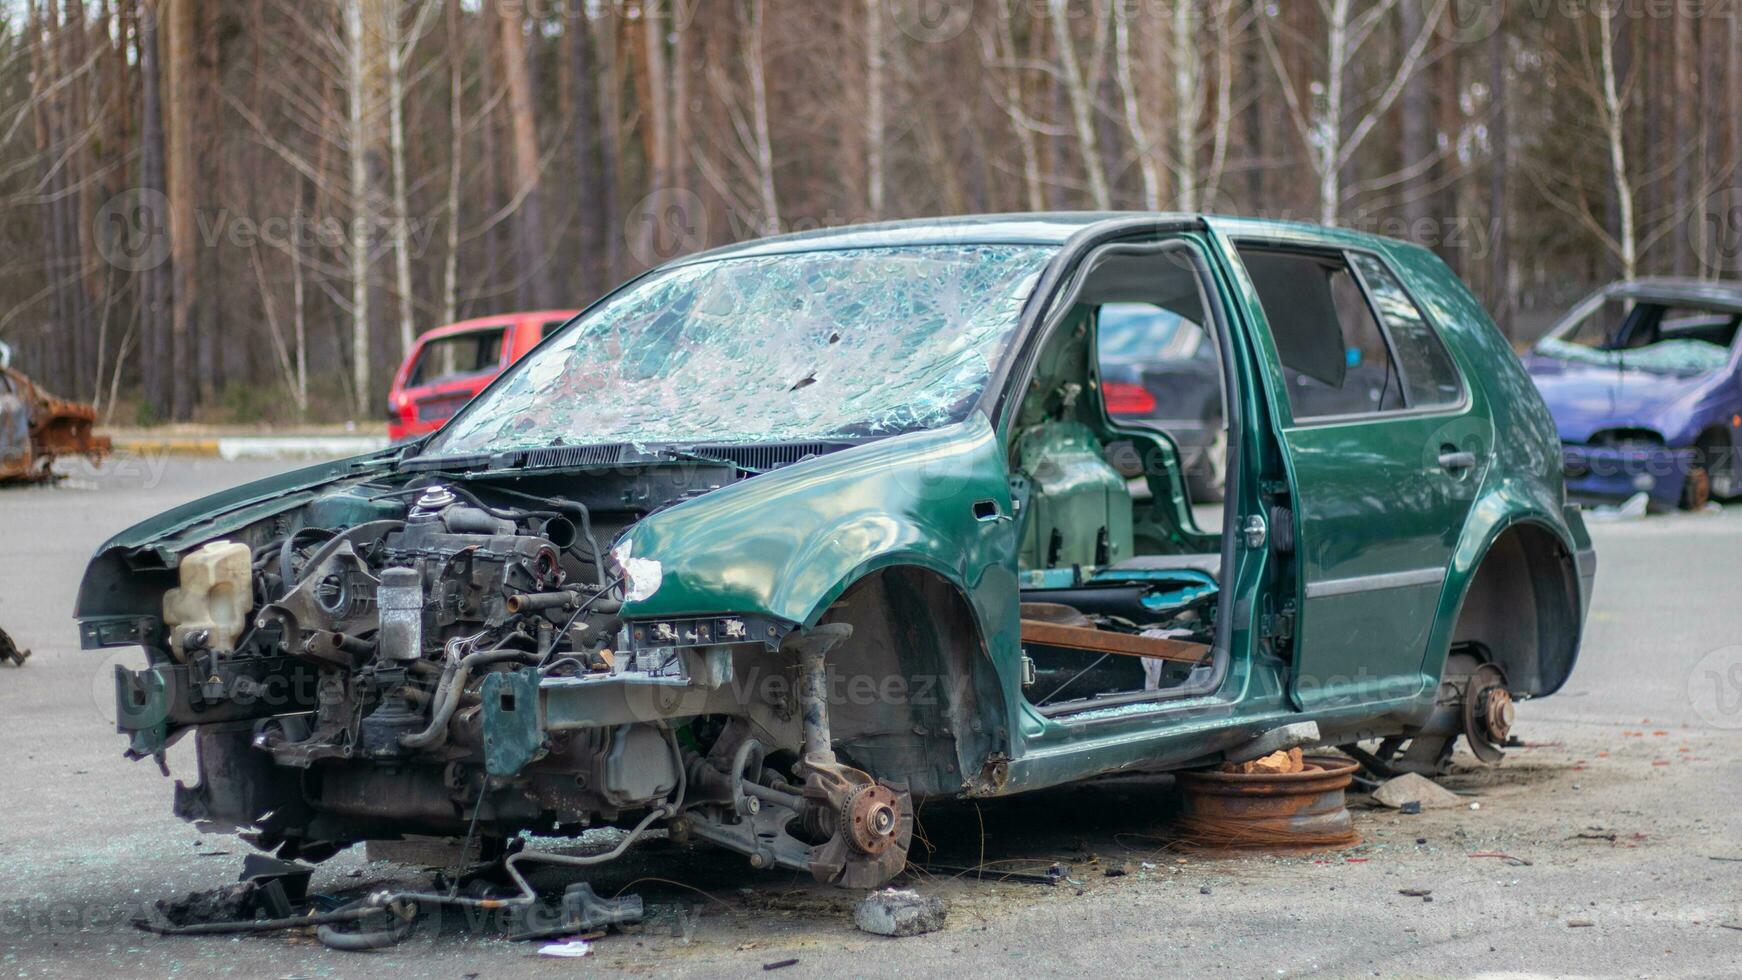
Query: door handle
(1453, 460)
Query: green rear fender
(787, 544)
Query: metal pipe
(539, 601)
(448, 693)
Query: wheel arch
(1536, 643)
(915, 698)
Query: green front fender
(787, 544)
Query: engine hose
(448, 691)
(346, 914)
(285, 550)
(357, 942)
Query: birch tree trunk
(874, 67)
(757, 70)
(1187, 103)
(1613, 126)
(1331, 120)
(456, 155)
(1140, 140)
(362, 208)
(396, 52)
(1082, 104)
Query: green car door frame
(1380, 500)
(1230, 705)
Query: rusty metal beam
(1107, 641)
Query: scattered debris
(574, 949)
(779, 964)
(10, 651)
(1411, 808)
(1580, 923)
(230, 903)
(1051, 876)
(1203, 889)
(1633, 509)
(1415, 892)
(1415, 788)
(899, 912)
(1119, 870)
(585, 911)
(1283, 761)
(1516, 862)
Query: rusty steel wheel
(1284, 813)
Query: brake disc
(1488, 713)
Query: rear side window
(1334, 358)
(458, 356)
(550, 327)
(1429, 377)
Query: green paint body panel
(1369, 499)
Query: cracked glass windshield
(814, 345)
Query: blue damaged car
(1644, 379)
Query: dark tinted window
(1334, 358)
(457, 356)
(1429, 376)
(550, 327)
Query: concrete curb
(251, 447)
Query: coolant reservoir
(216, 596)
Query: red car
(448, 365)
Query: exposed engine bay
(447, 657)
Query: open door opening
(1120, 462)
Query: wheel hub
(1488, 713)
(1498, 713)
(871, 819)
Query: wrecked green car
(775, 541)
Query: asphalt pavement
(1619, 823)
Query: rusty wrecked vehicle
(777, 540)
(36, 428)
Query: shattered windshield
(1643, 335)
(857, 342)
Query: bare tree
(400, 42)
(528, 169)
(1329, 140)
(874, 66)
(1077, 88)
